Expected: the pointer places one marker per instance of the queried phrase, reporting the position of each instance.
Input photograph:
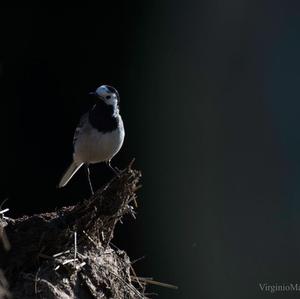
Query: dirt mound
(67, 253)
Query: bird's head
(108, 94)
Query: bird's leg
(116, 171)
(87, 169)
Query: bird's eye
(108, 97)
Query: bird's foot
(115, 170)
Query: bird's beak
(92, 93)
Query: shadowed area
(209, 95)
(68, 254)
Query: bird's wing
(82, 122)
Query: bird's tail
(72, 169)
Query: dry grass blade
(75, 248)
(138, 259)
(4, 211)
(3, 202)
(90, 239)
(154, 282)
(60, 253)
(36, 279)
(128, 285)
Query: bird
(99, 135)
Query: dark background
(210, 100)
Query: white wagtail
(99, 135)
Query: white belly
(92, 146)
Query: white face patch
(107, 95)
(112, 101)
